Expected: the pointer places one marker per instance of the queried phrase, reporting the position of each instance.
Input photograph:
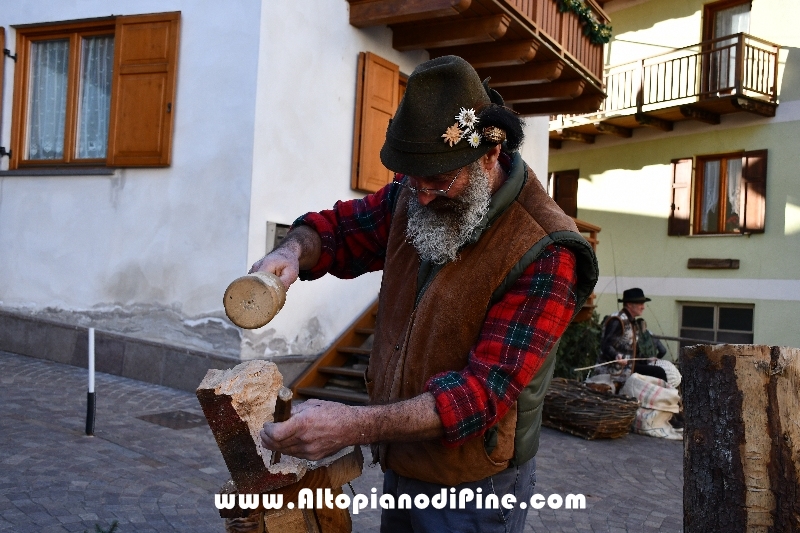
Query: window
(565, 190)
(731, 324)
(97, 92)
(729, 194)
(379, 89)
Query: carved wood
(364, 13)
(553, 90)
(569, 135)
(612, 129)
(653, 122)
(701, 115)
(521, 75)
(450, 33)
(495, 54)
(583, 104)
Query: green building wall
(625, 188)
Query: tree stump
(742, 438)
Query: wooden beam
(757, 107)
(702, 115)
(456, 32)
(584, 104)
(612, 129)
(653, 122)
(555, 144)
(541, 71)
(492, 54)
(699, 262)
(561, 90)
(365, 13)
(570, 135)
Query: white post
(90, 399)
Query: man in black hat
(482, 272)
(625, 336)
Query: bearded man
(482, 272)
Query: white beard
(441, 228)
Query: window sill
(60, 171)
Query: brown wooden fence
(566, 30)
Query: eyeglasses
(437, 177)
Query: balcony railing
(565, 29)
(701, 82)
(739, 64)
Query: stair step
(334, 394)
(341, 371)
(353, 350)
(365, 331)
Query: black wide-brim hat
(634, 296)
(436, 93)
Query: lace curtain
(733, 197)
(48, 99)
(97, 60)
(710, 205)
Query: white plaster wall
(171, 237)
(302, 154)
(535, 148)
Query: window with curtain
(728, 194)
(95, 93)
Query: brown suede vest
(427, 324)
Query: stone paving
(149, 478)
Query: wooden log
(742, 438)
(237, 403)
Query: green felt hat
(438, 92)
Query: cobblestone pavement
(149, 478)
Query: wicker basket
(572, 407)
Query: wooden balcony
(539, 58)
(732, 74)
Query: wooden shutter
(680, 208)
(565, 191)
(377, 97)
(754, 185)
(143, 90)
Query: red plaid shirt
(518, 334)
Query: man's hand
(318, 428)
(315, 430)
(622, 360)
(283, 262)
(300, 249)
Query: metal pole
(90, 400)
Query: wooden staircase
(338, 374)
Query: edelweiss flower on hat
(467, 118)
(453, 134)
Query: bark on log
(742, 438)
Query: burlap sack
(658, 400)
